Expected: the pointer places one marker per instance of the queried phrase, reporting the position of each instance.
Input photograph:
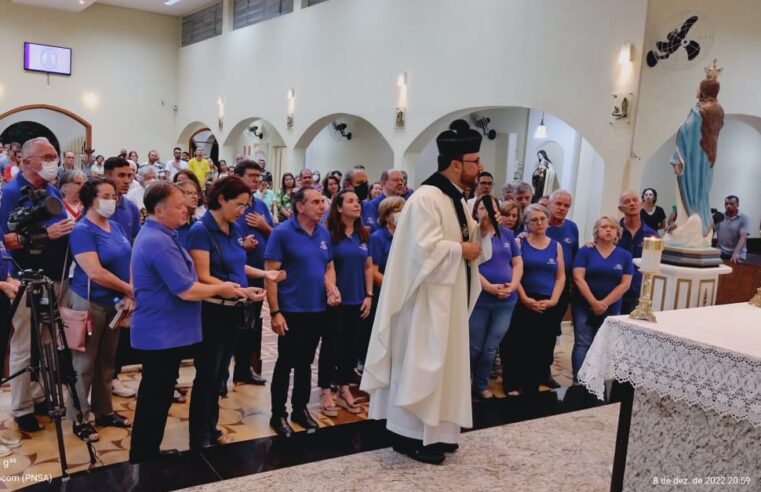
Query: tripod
(51, 362)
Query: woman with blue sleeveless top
(533, 326)
(500, 277)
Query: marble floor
(577, 446)
(244, 416)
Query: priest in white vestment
(417, 370)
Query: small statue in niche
(543, 178)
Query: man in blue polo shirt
(301, 247)
(167, 319)
(126, 215)
(566, 233)
(633, 233)
(256, 221)
(39, 166)
(392, 181)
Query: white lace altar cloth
(709, 356)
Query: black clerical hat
(459, 139)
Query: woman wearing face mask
(218, 249)
(102, 253)
(389, 211)
(70, 184)
(354, 279)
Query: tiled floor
(244, 417)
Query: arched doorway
(341, 141)
(257, 139)
(205, 139)
(26, 130)
(70, 131)
(509, 151)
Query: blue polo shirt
(128, 216)
(162, 269)
(349, 257)
(113, 250)
(499, 269)
(380, 246)
(255, 257)
(634, 246)
(54, 253)
(5, 263)
(305, 259)
(568, 237)
(183, 232)
(603, 274)
(369, 216)
(231, 266)
(540, 267)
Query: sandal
(113, 420)
(86, 432)
(346, 401)
(327, 403)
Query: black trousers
(365, 329)
(211, 361)
(248, 347)
(524, 349)
(295, 350)
(154, 397)
(5, 326)
(337, 356)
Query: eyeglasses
(240, 206)
(107, 197)
(538, 220)
(190, 193)
(477, 161)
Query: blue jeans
(584, 332)
(488, 325)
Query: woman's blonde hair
(613, 222)
(388, 206)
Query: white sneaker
(4, 451)
(10, 441)
(120, 389)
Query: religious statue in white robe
(417, 370)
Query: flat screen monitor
(48, 59)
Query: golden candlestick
(652, 248)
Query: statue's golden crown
(713, 71)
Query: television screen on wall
(48, 59)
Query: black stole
(450, 190)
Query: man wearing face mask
(39, 166)
(356, 179)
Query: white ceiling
(183, 7)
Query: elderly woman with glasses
(70, 183)
(602, 273)
(533, 326)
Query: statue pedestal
(679, 287)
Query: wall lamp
(400, 112)
(291, 108)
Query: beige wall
(128, 59)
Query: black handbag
(245, 320)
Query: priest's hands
(470, 251)
(279, 325)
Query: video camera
(27, 221)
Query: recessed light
(171, 2)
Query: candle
(652, 248)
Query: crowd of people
(191, 249)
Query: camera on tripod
(27, 221)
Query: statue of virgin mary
(693, 161)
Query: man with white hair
(566, 233)
(633, 234)
(39, 167)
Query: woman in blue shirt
(500, 277)
(101, 285)
(192, 192)
(218, 249)
(354, 278)
(532, 328)
(602, 273)
(167, 319)
(389, 211)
